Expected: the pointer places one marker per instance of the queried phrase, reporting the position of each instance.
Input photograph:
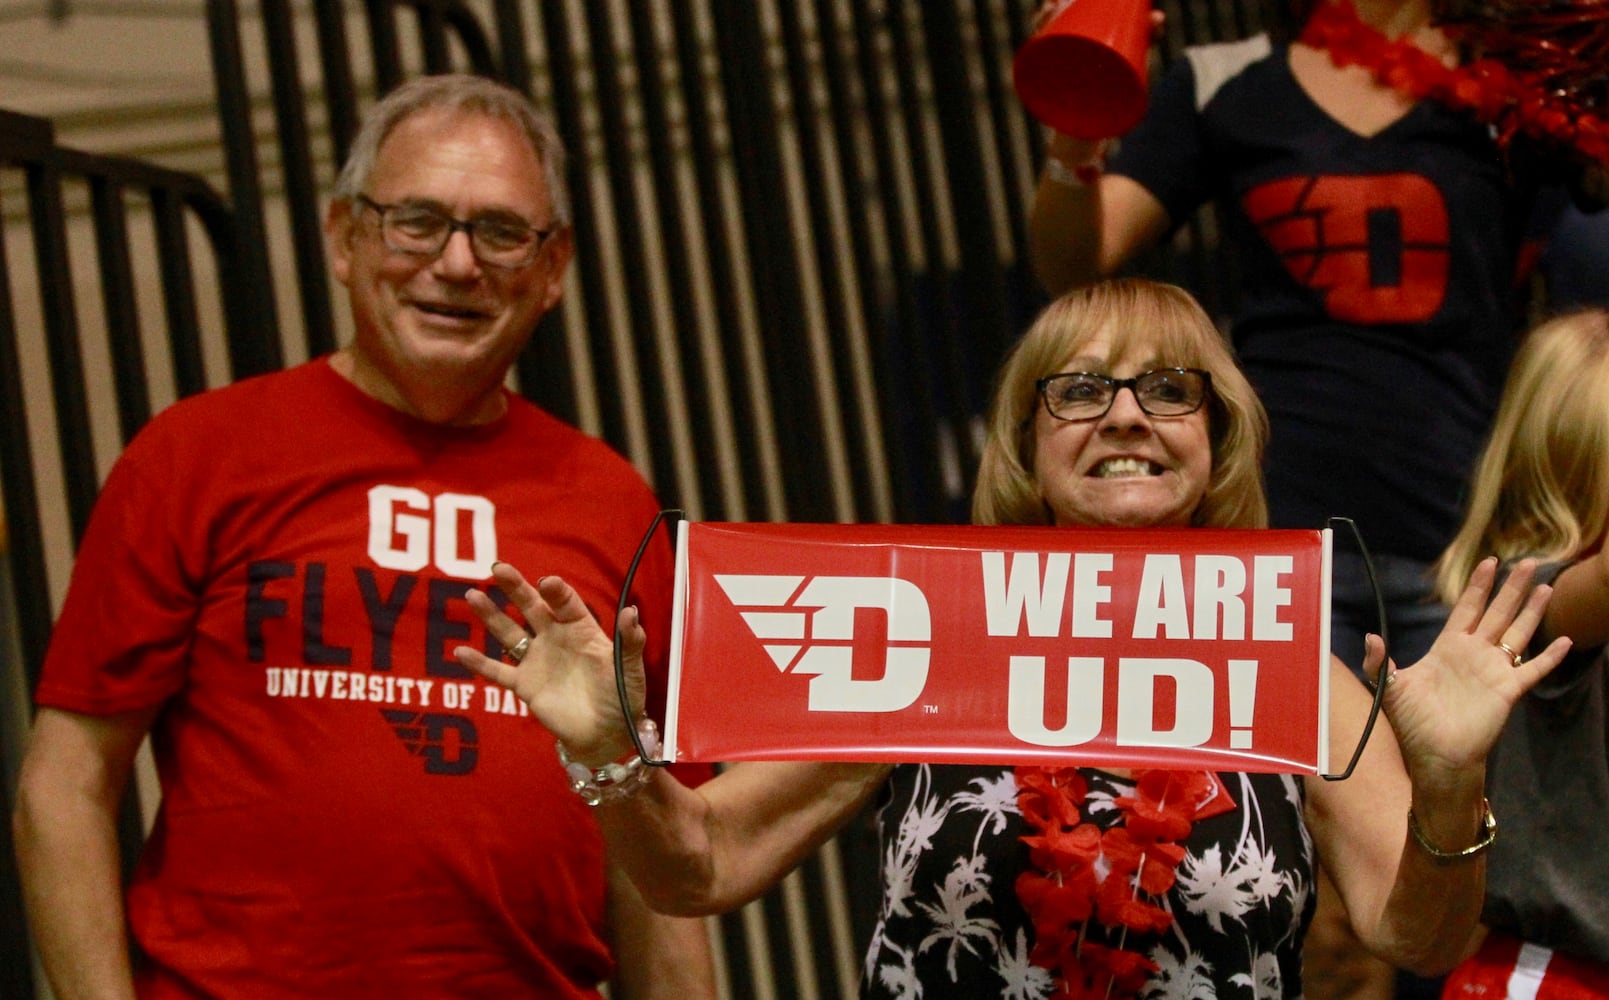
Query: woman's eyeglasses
(1161, 392)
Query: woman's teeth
(1114, 468)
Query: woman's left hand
(1448, 709)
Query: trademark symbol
(930, 709)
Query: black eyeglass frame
(1117, 385)
(454, 225)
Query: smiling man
(270, 587)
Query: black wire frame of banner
(672, 515)
(1379, 687)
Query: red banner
(1186, 648)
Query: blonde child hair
(1541, 488)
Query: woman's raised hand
(566, 675)
(1448, 709)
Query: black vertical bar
(62, 344)
(662, 159)
(471, 35)
(25, 559)
(907, 387)
(944, 326)
(178, 293)
(696, 99)
(620, 167)
(24, 138)
(772, 255)
(433, 37)
(254, 320)
(296, 170)
(122, 316)
(383, 48)
(982, 305)
(834, 296)
(340, 92)
(516, 62)
(1003, 107)
(545, 359)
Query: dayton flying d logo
(812, 631)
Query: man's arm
(656, 957)
(65, 824)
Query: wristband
(1081, 176)
(1441, 857)
(612, 782)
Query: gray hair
(464, 93)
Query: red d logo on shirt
(1374, 247)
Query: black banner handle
(1379, 687)
(671, 514)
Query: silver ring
(1514, 657)
(517, 652)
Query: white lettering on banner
(1220, 586)
(1270, 597)
(826, 648)
(1137, 685)
(1242, 702)
(1220, 580)
(1161, 599)
(1136, 702)
(1025, 714)
(1027, 597)
(408, 541)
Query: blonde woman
(1120, 406)
(1541, 491)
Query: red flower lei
(1536, 89)
(1081, 873)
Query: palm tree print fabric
(950, 925)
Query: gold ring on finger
(1513, 656)
(517, 652)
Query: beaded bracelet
(616, 781)
(1441, 857)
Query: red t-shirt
(347, 812)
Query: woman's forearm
(707, 850)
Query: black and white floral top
(950, 924)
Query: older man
(270, 586)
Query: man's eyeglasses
(1162, 392)
(501, 240)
